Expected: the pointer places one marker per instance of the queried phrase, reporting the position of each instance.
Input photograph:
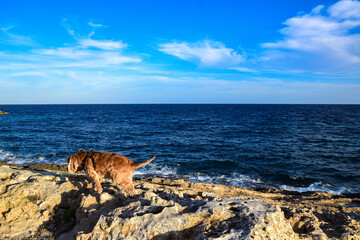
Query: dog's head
(75, 161)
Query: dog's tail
(137, 165)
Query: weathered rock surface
(53, 204)
(230, 218)
(28, 199)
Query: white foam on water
(235, 179)
(7, 156)
(316, 187)
(10, 157)
(155, 169)
(61, 161)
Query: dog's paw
(99, 191)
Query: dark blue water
(296, 147)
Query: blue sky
(297, 51)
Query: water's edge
(282, 189)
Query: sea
(290, 147)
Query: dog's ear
(81, 151)
(90, 153)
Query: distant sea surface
(292, 147)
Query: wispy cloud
(67, 27)
(207, 53)
(84, 53)
(96, 24)
(345, 9)
(14, 39)
(30, 73)
(102, 44)
(69, 86)
(243, 69)
(322, 38)
(85, 58)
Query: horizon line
(9, 104)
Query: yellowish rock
(50, 204)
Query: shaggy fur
(98, 165)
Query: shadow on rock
(80, 211)
(63, 217)
(189, 233)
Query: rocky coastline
(45, 202)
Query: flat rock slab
(53, 204)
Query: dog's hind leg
(129, 184)
(125, 182)
(130, 187)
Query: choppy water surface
(294, 147)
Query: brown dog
(102, 164)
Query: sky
(84, 52)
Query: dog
(98, 165)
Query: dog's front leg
(90, 171)
(96, 179)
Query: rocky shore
(51, 204)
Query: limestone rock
(230, 218)
(53, 204)
(27, 200)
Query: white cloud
(317, 10)
(345, 9)
(242, 69)
(30, 73)
(14, 39)
(67, 27)
(85, 53)
(323, 37)
(83, 86)
(102, 44)
(95, 25)
(64, 52)
(81, 56)
(116, 58)
(204, 53)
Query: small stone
(104, 197)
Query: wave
(22, 160)
(6, 156)
(316, 187)
(234, 179)
(155, 169)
